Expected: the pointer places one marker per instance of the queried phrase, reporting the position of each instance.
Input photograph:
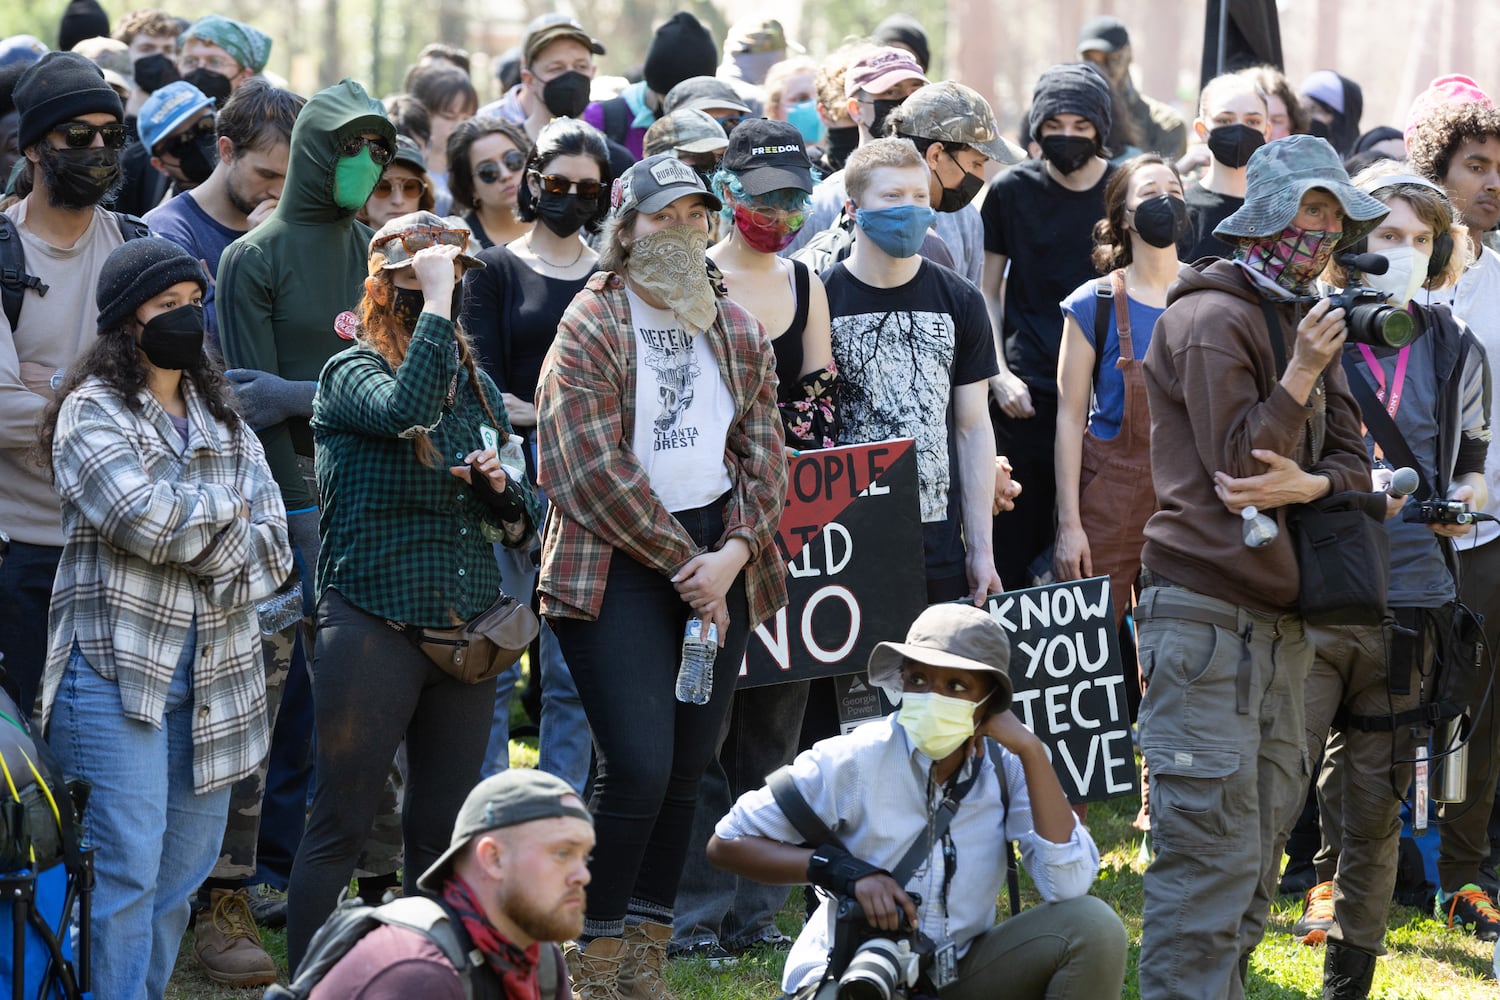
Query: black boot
(1347, 973)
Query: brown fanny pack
(482, 648)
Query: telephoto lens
(879, 970)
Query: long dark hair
(115, 359)
(1111, 237)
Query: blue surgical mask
(804, 118)
(898, 231)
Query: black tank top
(788, 346)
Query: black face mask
(174, 339)
(841, 142)
(407, 306)
(1162, 221)
(955, 198)
(565, 214)
(1232, 145)
(883, 111)
(196, 158)
(567, 95)
(215, 85)
(79, 178)
(1068, 153)
(154, 72)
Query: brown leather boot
(595, 971)
(645, 954)
(227, 944)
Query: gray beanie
(137, 271)
(1071, 89)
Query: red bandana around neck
(516, 967)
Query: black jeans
(26, 578)
(650, 749)
(372, 687)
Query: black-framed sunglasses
(588, 189)
(80, 135)
(379, 151)
(203, 128)
(488, 172)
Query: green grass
(1425, 960)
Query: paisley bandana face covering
(671, 264)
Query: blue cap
(24, 49)
(169, 108)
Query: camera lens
(872, 973)
(1381, 326)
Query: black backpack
(14, 281)
(352, 920)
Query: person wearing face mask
(711, 95)
(1232, 123)
(681, 48)
(877, 785)
(176, 127)
(914, 356)
(402, 189)
(512, 307)
(150, 34)
(219, 54)
(1039, 218)
(1435, 391)
(693, 137)
(1223, 648)
(661, 455)
(174, 530)
(416, 498)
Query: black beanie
(1071, 89)
(82, 19)
(903, 29)
(58, 88)
(137, 271)
(681, 48)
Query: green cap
(1280, 173)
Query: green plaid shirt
(400, 539)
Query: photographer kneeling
(882, 788)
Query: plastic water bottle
(280, 610)
(695, 677)
(1260, 530)
(512, 458)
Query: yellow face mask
(937, 723)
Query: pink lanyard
(1397, 380)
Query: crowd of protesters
(291, 385)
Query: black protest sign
(1065, 667)
(851, 535)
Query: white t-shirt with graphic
(683, 410)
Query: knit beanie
(682, 48)
(58, 88)
(1441, 92)
(136, 272)
(82, 19)
(903, 29)
(1071, 89)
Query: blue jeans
(26, 578)
(517, 579)
(156, 839)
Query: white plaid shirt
(154, 539)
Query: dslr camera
(1435, 511)
(1368, 316)
(867, 963)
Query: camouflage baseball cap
(398, 241)
(1280, 173)
(951, 112)
(688, 130)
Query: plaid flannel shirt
(600, 498)
(403, 540)
(154, 540)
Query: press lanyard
(1398, 379)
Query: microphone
(1369, 263)
(1404, 482)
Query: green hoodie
(281, 284)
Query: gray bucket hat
(958, 636)
(951, 112)
(1280, 173)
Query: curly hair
(1432, 142)
(115, 359)
(1111, 238)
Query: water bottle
(512, 458)
(695, 677)
(1260, 530)
(280, 610)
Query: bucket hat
(958, 636)
(1280, 173)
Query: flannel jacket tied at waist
(154, 540)
(599, 494)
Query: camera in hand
(1368, 316)
(1435, 511)
(871, 964)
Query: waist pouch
(1343, 558)
(483, 647)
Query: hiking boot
(1470, 907)
(226, 943)
(595, 971)
(1317, 915)
(268, 906)
(645, 954)
(1347, 973)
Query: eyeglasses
(222, 65)
(588, 189)
(792, 219)
(488, 172)
(80, 135)
(422, 237)
(380, 152)
(410, 187)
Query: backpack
(828, 247)
(617, 118)
(352, 920)
(14, 281)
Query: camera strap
(1383, 428)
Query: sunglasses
(205, 127)
(80, 135)
(421, 237)
(410, 187)
(379, 151)
(588, 189)
(488, 172)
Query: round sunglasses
(410, 187)
(488, 172)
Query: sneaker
(227, 945)
(1470, 907)
(770, 936)
(706, 949)
(1317, 915)
(268, 906)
